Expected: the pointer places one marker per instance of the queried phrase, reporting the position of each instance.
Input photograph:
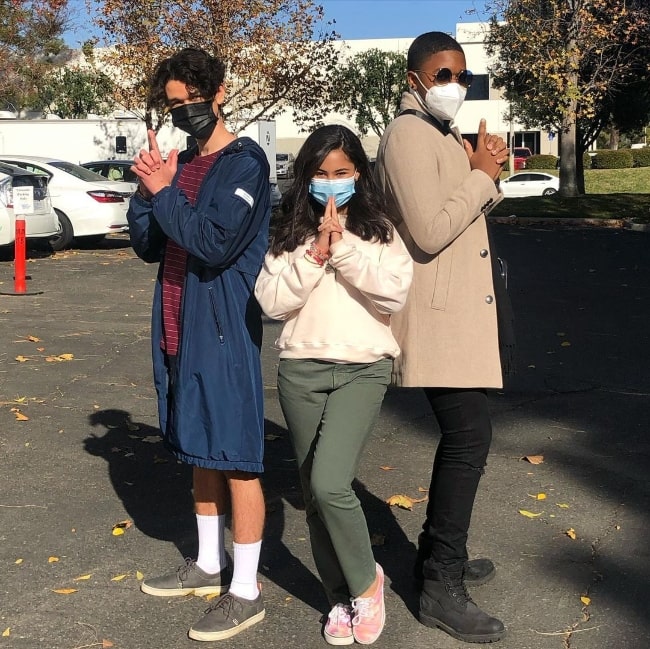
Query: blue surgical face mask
(342, 190)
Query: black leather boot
(477, 571)
(446, 604)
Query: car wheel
(62, 240)
(548, 191)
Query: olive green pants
(330, 410)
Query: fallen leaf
(65, 591)
(117, 531)
(19, 415)
(565, 343)
(533, 459)
(585, 600)
(123, 525)
(528, 514)
(18, 561)
(562, 505)
(82, 578)
(571, 533)
(40, 349)
(540, 496)
(119, 577)
(423, 490)
(7, 632)
(139, 576)
(65, 357)
(403, 502)
(33, 339)
(387, 468)
(21, 359)
(20, 400)
(106, 644)
(52, 559)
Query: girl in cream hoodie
(335, 273)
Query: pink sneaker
(338, 628)
(369, 614)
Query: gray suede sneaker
(188, 579)
(227, 617)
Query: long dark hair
(299, 215)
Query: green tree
(277, 54)
(31, 44)
(369, 87)
(73, 92)
(561, 63)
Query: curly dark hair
(197, 69)
(300, 214)
(427, 44)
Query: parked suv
(284, 165)
(42, 223)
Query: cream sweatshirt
(339, 312)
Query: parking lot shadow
(154, 488)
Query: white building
(483, 101)
(122, 137)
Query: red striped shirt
(175, 263)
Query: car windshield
(78, 172)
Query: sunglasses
(443, 76)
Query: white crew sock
(246, 557)
(212, 553)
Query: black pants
(466, 434)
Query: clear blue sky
(359, 18)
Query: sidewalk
(88, 457)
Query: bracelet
(142, 195)
(314, 259)
(318, 253)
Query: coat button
(489, 299)
(484, 253)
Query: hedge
(613, 159)
(586, 161)
(641, 157)
(541, 161)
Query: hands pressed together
(491, 152)
(154, 172)
(330, 230)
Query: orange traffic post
(20, 263)
(20, 254)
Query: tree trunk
(614, 137)
(568, 159)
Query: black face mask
(197, 120)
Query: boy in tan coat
(438, 189)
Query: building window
(480, 88)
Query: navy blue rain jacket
(215, 419)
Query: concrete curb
(513, 219)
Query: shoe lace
(340, 614)
(186, 568)
(455, 586)
(225, 603)
(361, 608)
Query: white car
(42, 222)
(86, 203)
(530, 183)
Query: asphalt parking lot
(80, 454)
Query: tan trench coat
(448, 329)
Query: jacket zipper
(216, 317)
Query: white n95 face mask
(445, 101)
